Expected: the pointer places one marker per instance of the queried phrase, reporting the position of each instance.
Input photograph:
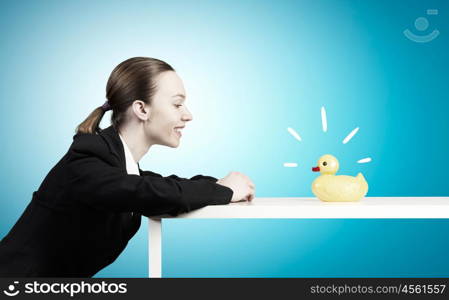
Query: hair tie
(106, 106)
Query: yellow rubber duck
(331, 188)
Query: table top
(369, 207)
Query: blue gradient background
(251, 69)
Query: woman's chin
(174, 144)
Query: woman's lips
(178, 132)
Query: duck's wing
(324, 192)
(328, 189)
(343, 188)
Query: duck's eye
(324, 163)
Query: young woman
(90, 204)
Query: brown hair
(133, 79)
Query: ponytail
(92, 122)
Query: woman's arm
(149, 173)
(98, 184)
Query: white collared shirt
(131, 165)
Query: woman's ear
(141, 110)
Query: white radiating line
(294, 133)
(349, 137)
(323, 118)
(291, 165)
(364, 160)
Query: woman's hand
(240, 184)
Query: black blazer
(88, 208)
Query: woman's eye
(178, 105)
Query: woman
(90, 204)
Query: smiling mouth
(178, 131)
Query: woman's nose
(187, 116)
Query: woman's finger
(250, 183)
(251, 197)
(248, 180)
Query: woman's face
(169, 113)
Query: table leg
(155, 247)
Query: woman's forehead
(170, 84)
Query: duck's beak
(316, 169)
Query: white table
(303, 208)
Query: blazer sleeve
(209, 178)
(98, 184)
